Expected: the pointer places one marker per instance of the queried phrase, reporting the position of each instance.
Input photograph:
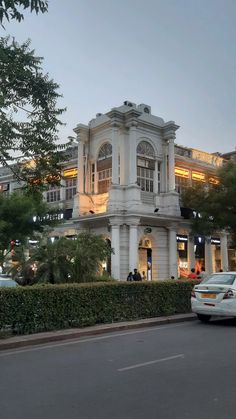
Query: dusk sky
(178, 56)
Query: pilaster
(191, 253)
(224, 251)
(173, 262)
(208, 255)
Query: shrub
(52, 307)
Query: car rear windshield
(224, 279)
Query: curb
(70, 334)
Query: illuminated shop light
(181, 172)
(214, 180)
(70, 172)
(201, 177)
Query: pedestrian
(203, 275)
(192, 274)
(144, 276)
(130, 277)
(136, 275)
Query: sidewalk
(68, 334)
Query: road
(177, 371)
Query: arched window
(104, 167)
(105, 152)
(145, 149)
(146, 167)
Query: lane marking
(75, 342)
(144, 364)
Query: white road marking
(75, 342)
(144, 364)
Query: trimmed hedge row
(53, 307)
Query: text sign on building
(181, 238)
(198, 176)
(215, 240)
(70, 172)
(181, 172)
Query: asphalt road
(184, 370)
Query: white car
(215, 296)
(7, 281)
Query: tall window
(53, 195)
(70, 188)
(104, 168)
(146, 167)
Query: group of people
(136, 276)
(197, 274)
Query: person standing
(202, 274)
(130, 277)
(192, 274)
(136, 275)
(144, 276)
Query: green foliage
(66, 261)
(216, 204)
(16, 219)
(10, 9)
(44, 308)
(54, 261)
(90, 251)
(29, 116)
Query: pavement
(69, 334)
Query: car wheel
(204, 318)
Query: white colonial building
(122, 180)
(126, 191)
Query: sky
(178, 56)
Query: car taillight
(193, 294)
(228, 294)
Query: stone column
(80, 176)
(164, 176)
(173, 262)
(155, 180)
(224, 251)
(191, 253)
(115, 244)
(115, 154)
(171, 168)
(208, 256)
(63, 190)
(133, 153)
(95, 178)
(133, 244)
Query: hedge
(34, 309)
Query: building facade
(123, 181)
(129, 179)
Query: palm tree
(54, 261)
(90, 251)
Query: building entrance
(145, 259)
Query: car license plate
(208, 295)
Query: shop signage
(215, 240)
(181, 238)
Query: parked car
(7, 281)
(215, 296)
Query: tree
(64, 260)
(10, 9)
(21, 216)
(29, 115)
(54, 261)
(214, 205)
(90, 251)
